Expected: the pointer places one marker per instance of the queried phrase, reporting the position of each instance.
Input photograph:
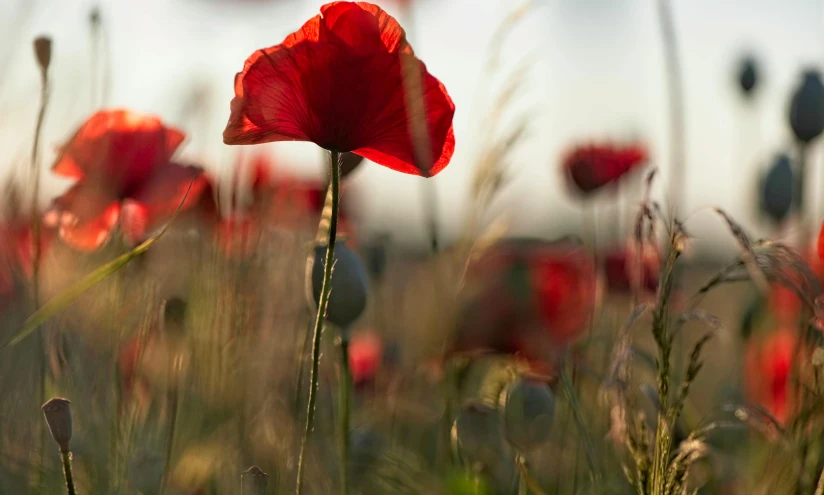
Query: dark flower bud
(174, 315)
(350, 285)
(476, 434)
(777, 189)
(59, 418)
(43, 52)
(748, 76)
(529, 409)
(807, 107)
(94, 16)
(253, 481)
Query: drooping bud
(253, 481)
(529, 409)
(59, 418)
(476, 434)
(350, 285)
(94, 17)
(43, 52)
(777, 189)
(748, 75)
(807, 107)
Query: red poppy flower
(365, 356)
(565, 290)
(591, 167)
(620, 268)
(122, 163)
(769, 365)
(339, 82)
(529, 299)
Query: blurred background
(592, 71)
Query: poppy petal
(85, 216)
(163, 193)
(362, 25)
(118, 146)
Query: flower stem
(326, 288)
(345, 407)
(67, 472)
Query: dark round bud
(59, 418)
(476, 434)
(807, 107)
(748, 76)
(529, 409)
(43, 52)
(253, 481)
(94, 16)
(777, 189)
(350, 285)
(174, 315)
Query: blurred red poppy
(529, 299)
(768, 366)
(591, 167)
(17, 252)
(621, 268)
(122, 163)
(339, 82)
(365, 356)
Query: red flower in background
(768, 368)
(339, 82)
(621, 267)
(365, 356)
(591, 167)
(528, 298)
(565, 286)
(122, 163)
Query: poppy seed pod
(43, 52)
(253, 481)
(748, 76)
(349, 285)
(777, 189)
(807, 107)
(529, 409)
(476, 434)
(59, 418)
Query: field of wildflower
(166, 329)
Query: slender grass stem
(67, 472)
(36, 254)
(345, 408)
(325, 290)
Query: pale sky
(596, 72)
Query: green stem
(819, 489)
(170, 440)
(36, 255)
(326, 288)
(67, 472)
(345, 408)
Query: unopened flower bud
(59, 418)
(476, 434)
(350, 285)
(43, 52)
(529, 409)
(807, 107)
(253, 481)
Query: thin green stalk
(67, 472)
(36, 255)
(326, 288)
(345, 408)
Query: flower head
(592, 167)
(342, 82)
(769, 364)
(122, 163)
(365, 356)
(59, 418)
